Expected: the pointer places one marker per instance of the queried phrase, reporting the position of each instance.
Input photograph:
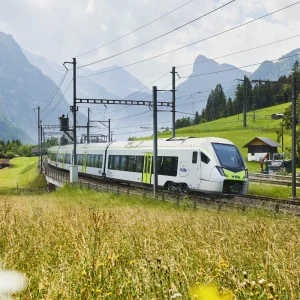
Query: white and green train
(208, 165)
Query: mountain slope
(23, 87)
(273, 71)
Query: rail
(241, 202)
(273, 179)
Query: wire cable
(56, 91)
(235, 68)
(127, 34)
(180, 48)
(238, 52)
(60, 98)
(158, 37)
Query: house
(259, 147)
(35, 151)
(277, 116)
(4, 163)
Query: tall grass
(76, 244)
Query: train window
(79, 159)
(167, 166)
(204, 158)
(194, 159)
(124, 163)
(116, 164)
(131, 163)
(139, 164)
(110, 161)
(98, 161)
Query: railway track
(241, 202)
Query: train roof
(165, 142)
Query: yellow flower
(209, 292)
(100, 265)
(83, 273)
(132, 262)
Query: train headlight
(246, 173)
(220, 171)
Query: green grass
(23, 172)
(268, 190)
(77, 244)
(232, 129)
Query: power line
(60, 98)
(238, 52)
(131, 116)
(232, 69)
(158, 37)
(139, 28)
(56, 90)
(194, 43)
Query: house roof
(267, 141)
(4, 161)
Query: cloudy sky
(60, 30)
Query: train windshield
(229, 157)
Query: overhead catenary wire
(60, 98)
(53, 95)
(135, 30)
(158, 37)
(239, 52)
(210, 37)
(246, 66)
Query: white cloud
(60, 30)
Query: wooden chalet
(259, 147)
(4, 163)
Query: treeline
(14, 148)
(252, 95)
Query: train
(208, 165)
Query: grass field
(76, 244)
(23, 171)
(232, 129)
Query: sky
(61, 30)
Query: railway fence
(194, 201)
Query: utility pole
(88, 126)
(74, 167)
(74, 112)
(294, 122)
(109, 140)
(245, 103)
(41, 149)
(39, 137)
(154, 91)
(173, 101)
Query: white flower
(176, 295)
(11, 282)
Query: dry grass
(76, 244)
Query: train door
(147, 170)
(84, 159)
(63, 160)
(205, 167)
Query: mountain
(120, 81)
(86, 87)
(272, 71)
(192, 94)
(118, 84)
(23, 87)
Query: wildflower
(11, 282)
(261, 281)
(283, 289)
(257, 293)
(132, 262)
(98, 291)
(83, 273)
(100, 265)
(108, 294)
(210, 292)
(176, 295)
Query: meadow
(77, 244)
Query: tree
(197, 118)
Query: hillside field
(23, 171)
(77, 244)
(232, 129)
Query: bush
(10, 155)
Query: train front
(232, 168)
